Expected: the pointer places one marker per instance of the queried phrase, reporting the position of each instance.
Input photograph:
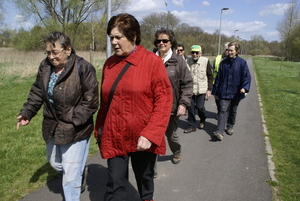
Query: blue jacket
(233, 75)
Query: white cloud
(142, 8)
(274, 9)
(205, 3)
(178, 2)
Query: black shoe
(189, 130)
(84, 176)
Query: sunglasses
(179, 50)
(163, 40)
(195, 52)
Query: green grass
(279, 86)
(23, 164)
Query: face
(57, 55)
(163, 43)
(195, 55)
(226, 51)
(180, 50)
(232, 52)
(122, 46)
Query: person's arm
(89, 86)
(186, 84)
(209, 75)
(33, 103)
(162, 98)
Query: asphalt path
(235, 169)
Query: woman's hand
(23, 121)
(181, 110)
(143, 144)
(243, 90)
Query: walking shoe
(84, 176)
(155, 175)
(229, 131)
(189, 130)
(218, 135)
(202, 124)
(176, 158)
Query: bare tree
(67, 15)
(285, 27)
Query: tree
(1, 13)
(155, 21)
(290, 20)
(64, 15)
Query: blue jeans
(69, 160)
(224, 119)
(197, 103)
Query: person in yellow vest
(200, 69)
(217, 62)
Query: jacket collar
(133, 58)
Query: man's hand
(207, 95)
(23, 121)
(143, 144)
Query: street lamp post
(220, 29)
(108, 45)
(234, 34)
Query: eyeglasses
(194, 52)
(55, 54)
(179, 50)
(163, 40)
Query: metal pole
(234, 34)
(220, 29)
(108, 45)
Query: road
(234, 169)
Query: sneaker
(218, 135)
(229, 131)
(189, 130)
(176, 158)
(84, 176)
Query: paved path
(234, 169)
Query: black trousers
(143, 167)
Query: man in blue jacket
(232, 82)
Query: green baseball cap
(196, 48)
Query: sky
(243, 19)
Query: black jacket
(181, 81)
(75, 98)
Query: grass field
(279, 86)
(23, 166)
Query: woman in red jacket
(136, 120)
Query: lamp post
(220, 29)
(234, 34)
(108, 45)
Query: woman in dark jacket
(67, 87)
(232, 83)
(182, 85)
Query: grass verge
(279, 84)
(23, 164)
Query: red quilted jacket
(141, 104)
